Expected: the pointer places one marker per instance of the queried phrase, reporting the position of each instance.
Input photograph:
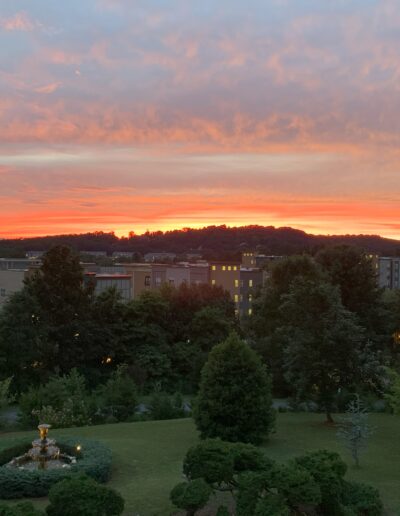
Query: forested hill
(213, 241)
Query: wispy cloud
(19, 21)
(210, 101)
(48, 88)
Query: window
(229, 268)
(234, 268)
(236, 298)
(158, 281)
(250, 298)
(250, 282)
(250, 311)
(2, 292)
(213, 267)
(236, 282)
(172, 282)
(224, 268)
(147, 281)
(213, 282)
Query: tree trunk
(329, 418)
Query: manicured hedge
(94, 459)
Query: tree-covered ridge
(213, 241)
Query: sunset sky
(122, 115)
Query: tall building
(240, 281)
(387, 271)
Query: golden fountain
(43, 454)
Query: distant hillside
(213, 241)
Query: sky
(135, 115)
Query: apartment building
(176, 275)
(102, 282)
(241, 282)
(387, 271)
(254, 259)
(18, 263)
(250, 280)
(11, 281)
(140, 277)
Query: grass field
(148, 456)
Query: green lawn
(148, 456)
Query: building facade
(11, 281)
(387, 271)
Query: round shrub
(80, 495)
(94, 460)
(191, 496)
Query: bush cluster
(94, 460)
(312, 484)
(65, 401)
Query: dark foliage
(311, 485)
(213, 241)
(80, 495)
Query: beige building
(140, 274)
(227, 276)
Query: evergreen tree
(234, 401)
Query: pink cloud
(48, 88)
(20, 21)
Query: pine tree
(234, 401)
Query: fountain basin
(44, 454)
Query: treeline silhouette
(213, 242)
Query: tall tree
(262, 326)
(352, 270)
(322, 343)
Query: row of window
(214, 282)
(238, 298)
(226, 267)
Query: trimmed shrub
(191, 496)
(80, 495)
(210, 460)
(328, 470)
(21, 509)
(362, 499)
(94, 459)
(223, 511)
(311, 484)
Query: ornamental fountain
(44, 454)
